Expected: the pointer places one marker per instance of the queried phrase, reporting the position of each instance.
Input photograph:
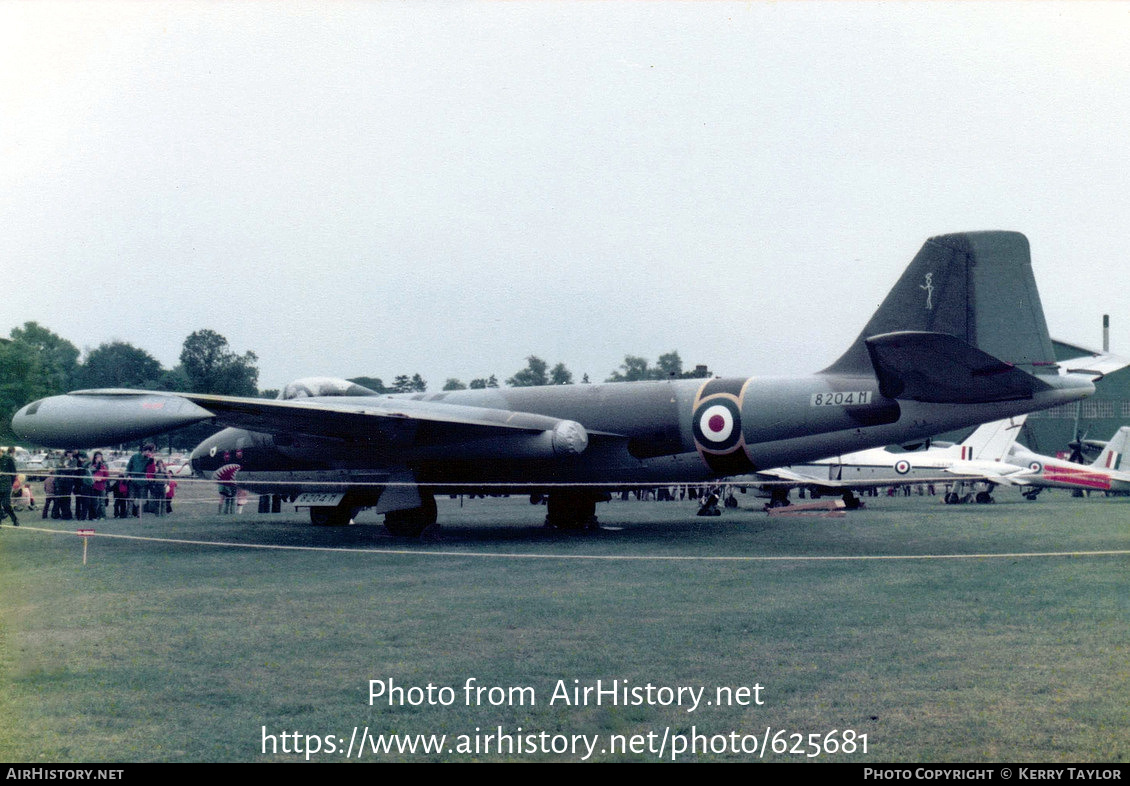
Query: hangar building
(1099, 416)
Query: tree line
(35, 362)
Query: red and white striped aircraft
(1103, 474)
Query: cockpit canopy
(309, 387)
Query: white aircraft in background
(973, 467)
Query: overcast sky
(383, 188)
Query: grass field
(166, 651)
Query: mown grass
(157, 651)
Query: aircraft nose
(20, 419)
(219, 449)
(202, 460)
(194, 461)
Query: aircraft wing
(785, 478)
(99, 417)
(365, 417)
(1003, 475)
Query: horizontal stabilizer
(942, 369)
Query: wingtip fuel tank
(101, 417)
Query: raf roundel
(1035, 466)
(717, 424)
(902, 467)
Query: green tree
(120, 365)
(212, 367)
(405, 384)
(533, 375)
(174, 379)
(634, 368)
(669, 366)
(21, 381)
(480, 383)
(560, 375)
(453, 384)
(58, 358)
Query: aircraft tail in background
(992, 441)
(1112, 454)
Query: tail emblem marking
(929, 287)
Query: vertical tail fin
(977, 286)
(1112, 454)
(991, 441)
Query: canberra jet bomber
(960, 340)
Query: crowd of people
(82, 487)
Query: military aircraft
(979, 463)
(961, 339)
(1103, 474)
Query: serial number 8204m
(842, 399)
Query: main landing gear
(412, 523)
(574, 510)
(409, 523)
(332, 515)
(981, 498)
(779, 497)
(708, 506)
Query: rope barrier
(606, 557)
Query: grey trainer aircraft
(960, 340)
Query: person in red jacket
(101, 474)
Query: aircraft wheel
(331, 515)
(411, 523)
(571, 511)
(779, 498)
(984, 498)
(1031, 495)
(952, 498)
